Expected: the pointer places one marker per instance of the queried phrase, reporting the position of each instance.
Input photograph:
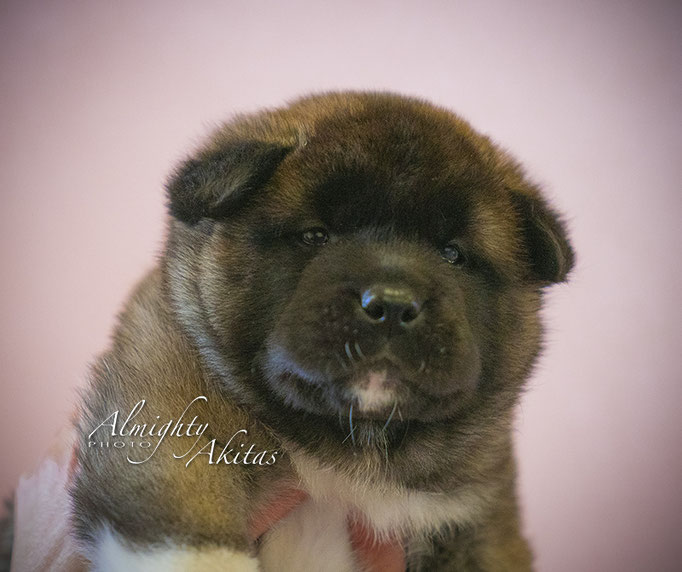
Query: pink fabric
(376, 556)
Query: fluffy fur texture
(113, 555)
(355, 280)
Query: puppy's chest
(319, 534)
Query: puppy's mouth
(372, 405)
(378, 391)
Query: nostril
(373, 306)
(410, 313)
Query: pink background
(99, 100)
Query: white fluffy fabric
(42, 539)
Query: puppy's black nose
(390, 304)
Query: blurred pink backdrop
(99, 100)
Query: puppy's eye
(315, 236)
(453, 254)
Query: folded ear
(216, 182)
(550, 256)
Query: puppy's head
(362, 257)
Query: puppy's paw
(113, 554)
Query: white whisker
(348, 352)
(395, 405)
(350, 421)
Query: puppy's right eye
(315, 236)
(452, 253)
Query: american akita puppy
(321, 373)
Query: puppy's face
(365, 258)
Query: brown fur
(393, 178)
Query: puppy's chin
(376, 391)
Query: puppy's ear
(216, 183)
(550, 255)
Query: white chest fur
(315, 536)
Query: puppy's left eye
(315, 236)
(453, 254)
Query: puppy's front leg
(493, 546)
(162, 515)
(165, 508)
